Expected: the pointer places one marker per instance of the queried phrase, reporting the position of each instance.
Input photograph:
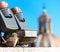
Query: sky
(32, 9)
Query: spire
(44, 8)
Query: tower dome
(44, 16)
(44, 22)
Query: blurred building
(45, 36)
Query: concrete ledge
(29, 49)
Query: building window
(44, 26)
